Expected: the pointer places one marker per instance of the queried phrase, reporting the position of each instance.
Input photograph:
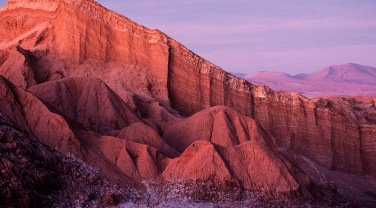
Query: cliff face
(89, 82)
(75, 31)
(334, 132)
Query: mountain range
(338, 80)
(97, 110)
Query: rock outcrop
(219, 125)
(143, 134)
(114, 157)
(35, 175)
(89, 101)
(213, 171)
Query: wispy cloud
(293, 61)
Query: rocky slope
(89, 101)
(138, 106)
(35, 175)
(337, 80)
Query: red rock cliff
(75, 31)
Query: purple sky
(247, 36)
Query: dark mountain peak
(300, 76)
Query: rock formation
(35, 175)
(89, 101)
(219, 125)
(58, 130)
(154, 117)
(211, 169)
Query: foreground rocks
(246, 169)
(34, 175)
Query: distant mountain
(339, 80)
(352, 73)
(274, 75)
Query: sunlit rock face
(157, 120)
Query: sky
(292, 36)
